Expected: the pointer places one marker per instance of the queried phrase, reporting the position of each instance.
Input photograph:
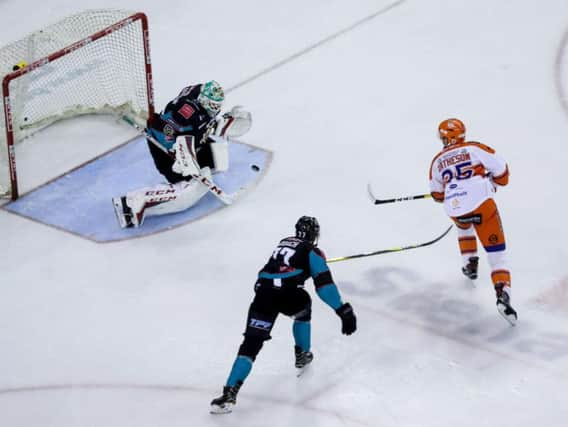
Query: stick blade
(371, 194)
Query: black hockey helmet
(307, 228)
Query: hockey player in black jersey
(192, 113)
(182, 141)
(279, 289)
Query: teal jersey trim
(296, 272)
(161, 138)
(317, 264)
(168, 117)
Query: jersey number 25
(462, 171)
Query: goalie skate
(123, 212)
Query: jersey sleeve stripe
(481, 146)
(502, 179)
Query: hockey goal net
(94, 62)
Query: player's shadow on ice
(405, 291)
(383, 282)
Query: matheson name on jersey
(453, 159)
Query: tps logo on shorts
(260, 324)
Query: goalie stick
(217, 192)
(399, 199)
(386, 251)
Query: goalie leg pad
(159, 200)
(185, 194)
(136, 203)
(220, 153)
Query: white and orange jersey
(462, 176)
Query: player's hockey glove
(348, 319)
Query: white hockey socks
(468, 244)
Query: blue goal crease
(80, 202)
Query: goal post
(93, 62)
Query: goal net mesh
(95, 61)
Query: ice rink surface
(144, 332)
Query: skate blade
(221, 409)
(302, 371)
(511, 317)
(125, 221)
(470, 276)
(118, 211)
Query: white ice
(144, 332)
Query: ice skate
(127, 218)
(303, 359)
(504, 304)
(224, 404)
(123, 212)
(470, 270)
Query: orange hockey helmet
(451, 131)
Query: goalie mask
(307, 228)
(451, 131)
(211, 97)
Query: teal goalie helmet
(211, 97)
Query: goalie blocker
(188, 142)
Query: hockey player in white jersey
(186, 140)
(464, 176)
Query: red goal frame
(140, 16)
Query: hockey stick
(386, 251)
(217, 192)
(399, 199)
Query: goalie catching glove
(233, 123)
(348, 319)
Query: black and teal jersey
(292, 263)
(184, 115)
